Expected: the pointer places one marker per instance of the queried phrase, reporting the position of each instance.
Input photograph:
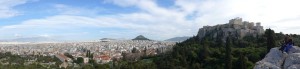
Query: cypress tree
(270, 34)
(228, 57)
(242, 61)
(205, 48)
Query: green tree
(69, 55)
(134, 50)
(79, 60)
(228, 56)
(270, 34)
(205, 49)
(88, 53)
(241, 63)
(87, 66)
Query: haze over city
(125, 19)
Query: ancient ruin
(236, 27)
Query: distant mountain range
(49, 39)
(178, 39)
(31, 39)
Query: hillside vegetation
(208, 53)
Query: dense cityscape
(103, 51)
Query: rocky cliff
(236, 27)
(275, 59)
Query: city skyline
(155, 19)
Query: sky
(126, 19)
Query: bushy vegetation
(11, 61)
(214, 53)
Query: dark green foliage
(88, 66)
(89, 54)
(19, 62)
(210, 53)
(79, 60)
(102, 66)
(134, 50)
(69, 55)
(270, 34)
(213, 53)
(296, 39)
(142, 64)
(228, 56)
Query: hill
(178, 39)
(140, 37)
(237, 28)
(223, 47)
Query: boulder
(295, 49)
(275, 59)
(297, 66)
(292, 61)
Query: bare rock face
(292, 61)
(275, 59)
(236, 27)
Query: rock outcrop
(236, 27)
(275, 59)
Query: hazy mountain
(108, 39)
(32, 39)
(178, 39)
(140, 37)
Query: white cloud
(157, 20)
(184, 18)
(18, 35)
(6, 8)
(277, 14)
(44, 35)
(123, 3)
(70, 10)
(281, 15)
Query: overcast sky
(155, 19)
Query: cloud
(45, 35)
(6, 8)
(123, 3)
(157, 20)
(280, 15)
(275, 14)
(183, 18)
(18, 35)
(71, 10)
